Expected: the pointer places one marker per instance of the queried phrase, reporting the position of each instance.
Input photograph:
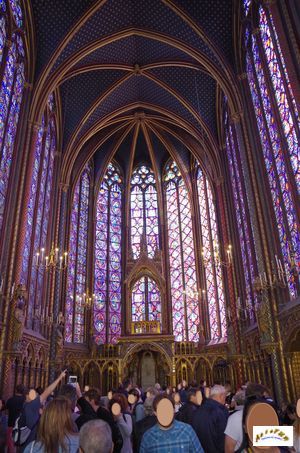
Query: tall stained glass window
(278, 124)
(144, 211)
(77, 269)
(145, 298)
(12, 70)
(213, 272)
(185, 305)
(242, 218)
(38, 209)
(108, 257)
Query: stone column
(55, 362)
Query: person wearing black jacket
(143, 425)
(91, 410)
(187, 412)
(210, 421)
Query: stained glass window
(38, 211)
(185, 303)
(213, 273)
(77, 268)
(16, 11)
(263, 79)
(248, 299)
(144, 211)
(108, 258)
(286, 104)
(11, 93)
(246, 4)
(145, 299)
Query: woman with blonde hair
(56, 430)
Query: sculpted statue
(60, 328)
(19, 296)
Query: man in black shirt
(187, 412)
(14, 406)
(210, 421)
(91, 410)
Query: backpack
(20, 432)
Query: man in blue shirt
(175, 438)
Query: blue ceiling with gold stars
(116, 57)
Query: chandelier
(53, 260)
(279, 276)
(86, 299)
(215, 257)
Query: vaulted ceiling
(142, 71)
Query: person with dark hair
(126, 387)
(33, 406)
(123, 420)
(210, 421)
(39, 390)
(14, 407)
(56, 430)
(246, 444)
(91, 410)
(176, 437)
(229, 394)
(234, 427)
(187, 412)
(137, 409)
(95, 437)
(146, 423)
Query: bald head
(95, 437)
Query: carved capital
(242, 76)
(219, 181)
(64, 187)
(269, 348)
(236, 117)
(28, 85)
(36, 126)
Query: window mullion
(107, 263)
(76, 255)
(186, 336)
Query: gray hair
(95, 437)
(239, 398)
(217, 390)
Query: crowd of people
(63, 419)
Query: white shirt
(234, 428)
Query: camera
(72, 380)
